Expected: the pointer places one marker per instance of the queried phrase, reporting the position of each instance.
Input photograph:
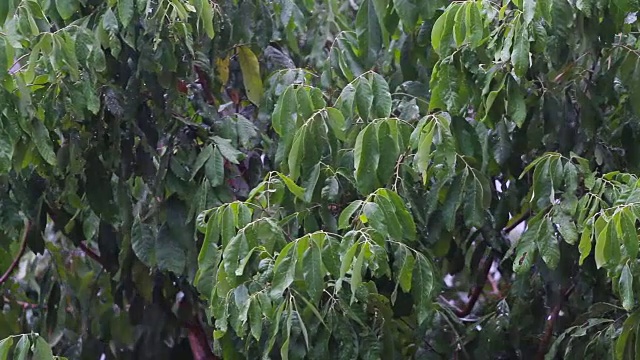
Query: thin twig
(16, 261)
(543, 346)
(92, 254)
(477, 289)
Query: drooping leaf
(626, 288)
(250, 73)
(366, 156)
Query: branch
(476, 290)
(198, 341)
(523, 217)
(16, 261)
(551, 321)
(92, 254)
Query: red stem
(90, 253)
(16, 261)
(547, 334)
(476, 290)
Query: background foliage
(319, 179)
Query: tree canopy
(321, 179)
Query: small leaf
(66, 8)
(283, 271)
(520, 53)
(214, 168)
(405, 274)
(41, 350)
(422, 287)
(295, 189)
(626, 227)
(381, 96)
(366, 156)
(227, 150)
(5, 346)
(356, 274)
(21, 352)
(250, 74)
(125, 12)
(529, 10)
(626, 288)
(585, 244)
(474, 25)
(375, 217)
(43, 142)
(548, 244)
(312, 272)
(201, 159)
(207, 20)
(143, 243)
(566, 227)
(347, 213)
(364, 98)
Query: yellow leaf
(250, 74)
(222, 69)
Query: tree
(320, 179)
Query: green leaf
(347, 259)
(207, 21)
(214, 168)
(356, 272)
(366, 156)
(529, 10)
(312, 272)
(454, 199)
(255, 319)
(408, 13)
(125, 12)
(5, 346)
(250, 73)
(626, 228)
(585, 244)
(284, 114)
(283, 271)
(566, 227)
(336, 122)
(422, 287)
(364, 98)
(388, 149)
(520, 52)
(527, 248)
(548, 243)
(66, 8)
(375, 217)
(41, 350)
(474, 25)
(109, 20)
(459, 26)
(628, 329)
(227, 150)
(345, 216)
(170, 255)
(405, 275)
(423, 154)
(143, 243)
(43, 142)
(381, 97)
(601, 244)
(516, 105)
(295, 189)
(201, 159)
(626, 288)
(21, 352)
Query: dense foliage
(319, 179)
